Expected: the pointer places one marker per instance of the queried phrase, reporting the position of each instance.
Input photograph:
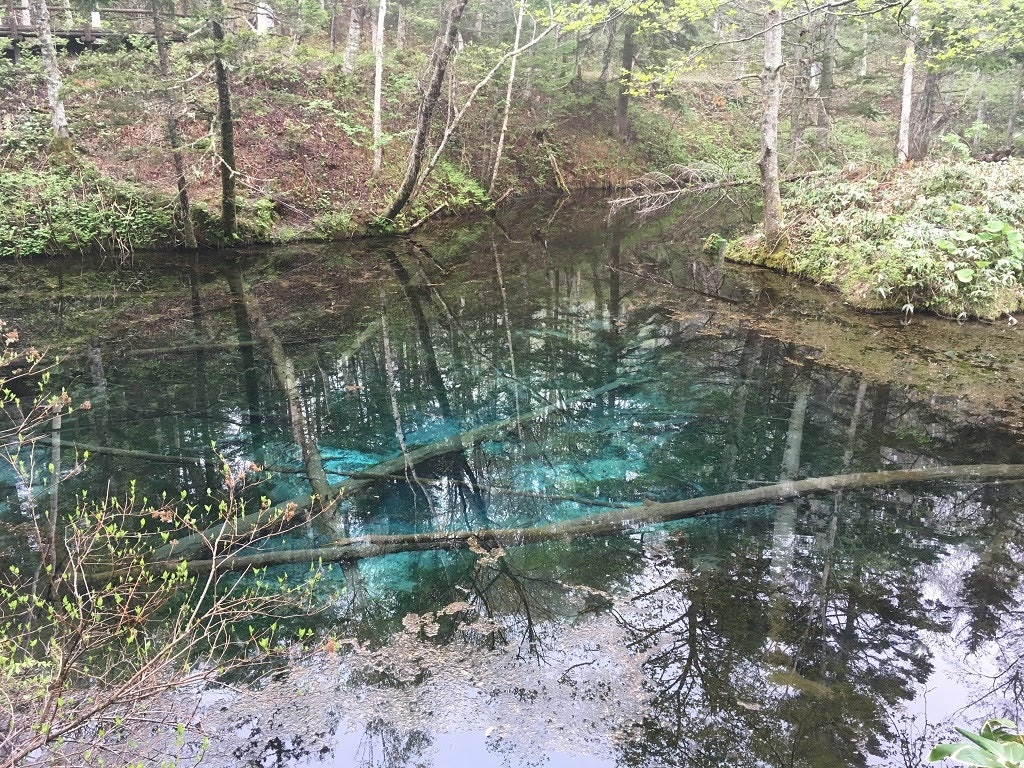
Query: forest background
(206, 124)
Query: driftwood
(605, 523)
(300, 508)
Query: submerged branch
(605, 523)
(300, 508)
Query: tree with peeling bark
(906, 102)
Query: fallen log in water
(299, 509)
(605, 523)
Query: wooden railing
(65, 23)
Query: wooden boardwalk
(65, 24)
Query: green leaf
(982, 741)
(1014, 752)
(964, 275)
(965, 753)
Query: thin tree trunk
(457, 118)
(228, 203)
(830, 31)
(923, 122)
(1011, 123)
(520, 12)
(187, 231)
(771, 87)
(604, 523)
(402, 26)
(438, 65)
(378, 87)
(800, 87)
(48, 53)
(622, 128)
(907, 101)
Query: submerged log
(605, 523)
(300, 509)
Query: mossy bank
(943, 238)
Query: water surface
(842, 630)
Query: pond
(604, 364)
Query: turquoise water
(840, 630)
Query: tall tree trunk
(1011, 123)
(228, 202)
(609, 48)
(906, 104)
(44, 33)
(378, 87)
(356, 10)
(520, 12)
(438, 66)
(829, 33)
(801, 81)
(334, 26)
(771, 96)
(923, 121)
(402, 27)
(622, 128)
(187, 231)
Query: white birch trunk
(378, 85)
(520, 12)
(864, 53)
(903, 143)
(771, 94)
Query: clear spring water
(842, 630)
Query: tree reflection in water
(796, 636)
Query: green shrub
(945, 238)
(65, 209)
